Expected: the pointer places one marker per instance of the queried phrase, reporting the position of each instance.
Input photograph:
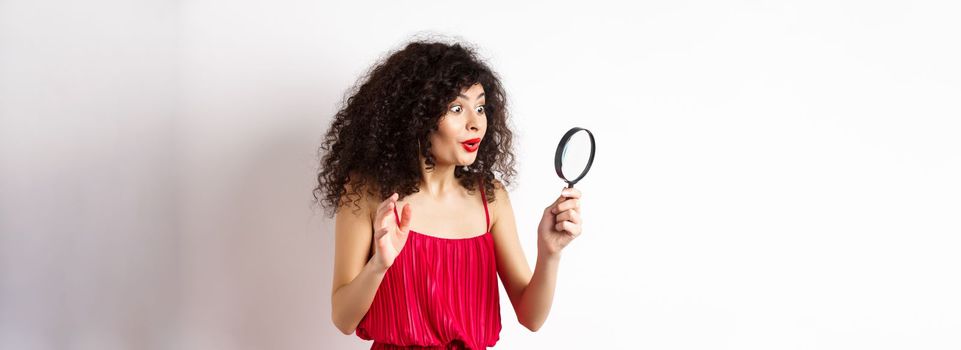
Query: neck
(439, 182)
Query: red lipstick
(471, 145)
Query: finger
(386, 203)
(569, 215)
(569, 227)
(556, 201)
(385, 218)
(571, 193)
(388, 200)
(566, 205)
(380, 233)
(405, 218)
(383, 213)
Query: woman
(426, 130)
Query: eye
(455, 109)
(480, 109)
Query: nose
(472, 124)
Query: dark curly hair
(375, 138)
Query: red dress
(440, 293)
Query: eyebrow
(478, 96)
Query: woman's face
(464, 121)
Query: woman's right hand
(389, 239)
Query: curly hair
(375, 138)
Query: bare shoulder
(353, 233)
(499, 189)
(501, 200)
(358, 197)
(499, 192)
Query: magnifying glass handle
(570, 185)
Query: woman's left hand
(561, 223)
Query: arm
(352, 300)
(531, 294)
(356, 278)
(537, 298)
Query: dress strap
(487, 215)
(396, 217)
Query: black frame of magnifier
(560, 151)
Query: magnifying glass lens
(574, 155)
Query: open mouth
(471, 145)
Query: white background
(769, 175)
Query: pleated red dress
(440, 293)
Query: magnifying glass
(574, 156)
